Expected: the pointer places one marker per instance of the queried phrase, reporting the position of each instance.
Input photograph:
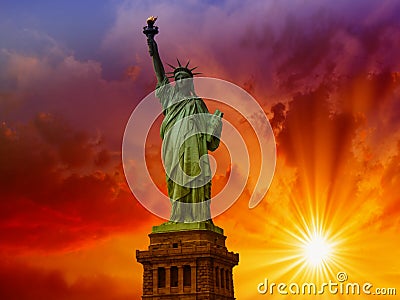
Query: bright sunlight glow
(316, 250)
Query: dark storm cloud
(53, 196)
(19, 281)
(307, 117)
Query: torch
(150, 31)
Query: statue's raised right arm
(150, 31)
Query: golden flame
(151, 20)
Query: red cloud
(53, 195)
(19, 281)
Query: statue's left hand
(214, 123)
(214, 132)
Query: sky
(327, 75)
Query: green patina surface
(188, 131)
(178, 226)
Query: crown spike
(197, 73)
(171, 66)
(179, 63)
(187, 63)
(193, 69)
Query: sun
(316, 250)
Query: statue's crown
(180, 69)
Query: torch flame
(151, 20)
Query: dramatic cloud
(341, 139)
(326, 72)
(276, 47)
(19, 281)
(54, 194)
(60, 84)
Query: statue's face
(183, 81)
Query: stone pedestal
(187, 264)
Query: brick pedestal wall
(203, 263)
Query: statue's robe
(186, 141)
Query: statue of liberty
(188, 131)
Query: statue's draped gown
(185, 147)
